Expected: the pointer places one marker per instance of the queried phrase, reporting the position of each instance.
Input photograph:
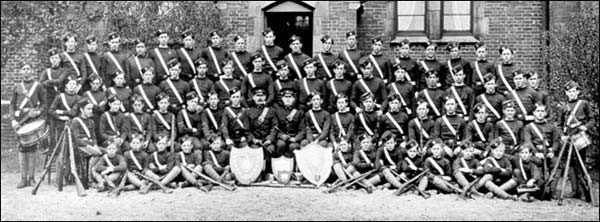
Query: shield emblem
(246, 163)
(282, 168)
(314, 161)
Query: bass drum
(32, 133)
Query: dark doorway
(286, 24)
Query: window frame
(454, 32)
(412, 32)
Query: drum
(581, 140)
(32, 133)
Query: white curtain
(457, 15)
(411, 15)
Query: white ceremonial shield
(314, 162)
(246, 163)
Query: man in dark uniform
(506, 71)
(381, 64)
(161, 55)
(72, 61)
(432, 94)
(257, 79)
(214, 54)
(350, 56)
(27, 105)
(136, 63)
(454, 62)
(261, 121)
(430, 63)
(234, 128)
(201, 84)
(325, 59)
(309, 84)
(270, 52)
(480, 67)
(410, 65)
(187, 55)
(283, 81)
(368, 84)
(296, 57)
(338, 86)
(114, 60)
(290, 124)
(175, 87)
(491, 98)
(92, 61)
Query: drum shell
(33, 136)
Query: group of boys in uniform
(170, 114)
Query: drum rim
(34, 125)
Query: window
(411, 16)
(442, 21)
(456, 16)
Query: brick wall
(516, 24)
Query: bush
(44, 23)
(572, 54)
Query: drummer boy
(26, 106)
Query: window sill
(445, 39)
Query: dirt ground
(262, 203)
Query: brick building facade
(518, 24)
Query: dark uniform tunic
(456, 62)
(479, 69)
(507, 70)
(185, 127)
(120, 123)
(298, 59)
(442, 162)
(465, 95)
(222, 158)
(354, 56)
(406, 92)
(210, 125)
(187, 57)
(375, 85)
(306, 86)
(133, 71)
(338, 86)
(527, 170)
(495, 100)
(160, 128)
(550, 137)
(431, 64)
(441, 129)
(244, 59)
(140, 156)
(150, 91)
(490, 167)
(501, 130)
(53, 80)
(160, 71)
(384, 64)
(346, 119)
(472, 135)
(202, 86)
(275, 53)
(370, 119)
(181, 88)
(405, 166)
(233, 123)
(322, 118)
(79, 68)
(386, 124)
(145, 122)
(163, 158)
(360, 163)
(257, 80)
(437, 97)
(223, 86)
(220, 54)
(415, 129)
(108, 67)
(124, 95)
(118, 161)
(411, 67)
(328, 58)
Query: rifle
(350, 182)
(406, 184)
(109, 182)
(554, 170)
(121, 184)
(48, 165)
(78, 184)
(227, 187)
(162, 187)
(468, 189)
(173, 134)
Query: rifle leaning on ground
(227, 187)
(162, 187)
(409, 183)
(350, 182)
